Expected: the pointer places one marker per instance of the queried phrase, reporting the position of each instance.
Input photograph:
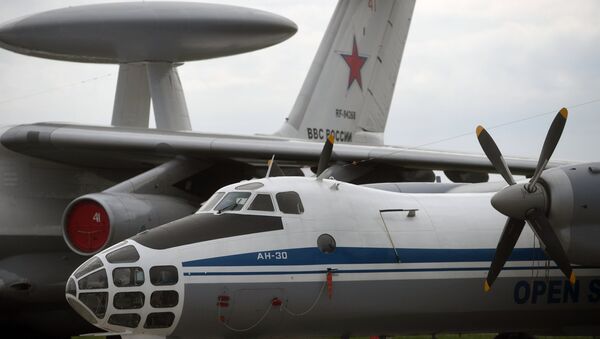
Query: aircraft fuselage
(351, 260)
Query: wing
(116, 147)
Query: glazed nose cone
(87, 290)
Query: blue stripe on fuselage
(340, 271)
(362, 255)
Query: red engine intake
(96, 221)
(87, 226)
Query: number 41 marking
(97, 218)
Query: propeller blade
(274, 169)
(552, 138)
(541, 225)
(493, 153)
(325, 154)
(508, 239)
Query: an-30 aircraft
(292, 256)
(72, 190)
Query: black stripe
(206, 226)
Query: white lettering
(97, 218)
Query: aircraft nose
(87, 290)
(120, 290)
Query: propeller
(325, 155)
(273, 169)
(526, 202)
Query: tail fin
(349, 87)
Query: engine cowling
(575, 210)
(95, 221)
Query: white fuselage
(401, 263)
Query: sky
(508, 65)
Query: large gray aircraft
(70, 191)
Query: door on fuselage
(408, 227)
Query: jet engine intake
(95, 221)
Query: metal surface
(144, 31)
(168, 101)
(325, 156)
(121, 147)
(494, 155)
(550, 143)
(361, 55)
(43, 167)
(400, 275)
(132, 99)
(525, 202)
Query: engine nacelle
(575, 210)
(95, 221)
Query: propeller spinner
(526, 202)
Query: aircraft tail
(349, 87)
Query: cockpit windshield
(211, 202)
(251, 201)
(233, 201)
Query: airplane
(70, 191)
(298, 256)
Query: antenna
(270, 164)
(148, 44)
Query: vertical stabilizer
(349, 87)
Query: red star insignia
(355, 62)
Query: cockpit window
(94, 281)
(262, 202)
(123, 255)
(88, 266)
(71, 289)
(163, 275)
(233, 201)
(162, 299)
(210, 203)
(250, 187)
(159, 320)
(290, 203)
(128, 276)
(125, 319)
(96, 302)
(128, 300)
